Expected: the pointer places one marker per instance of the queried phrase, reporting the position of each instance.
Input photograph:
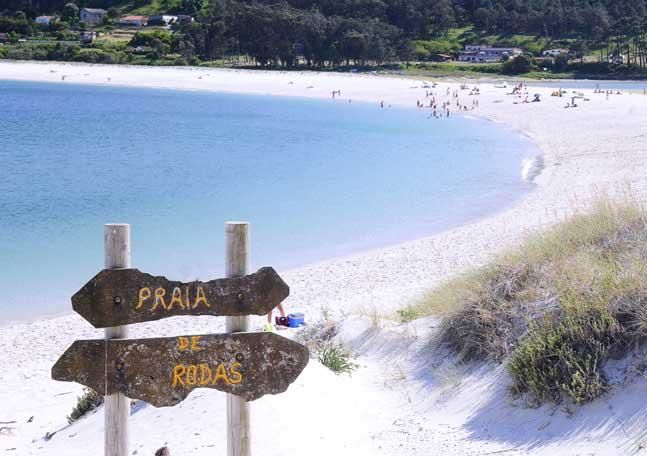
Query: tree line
(322, 33)
(327, 32)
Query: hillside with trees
(326, 33)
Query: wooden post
(237, 264)
(117, 406)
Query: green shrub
(336, 358)
(519, 65)
(87, 402)
(408, 314)
(27, 52)
(557, 307)
(498, 302)
(453, 67)
(93, 55)
(565, 359)
(147, 38)
(430, 49)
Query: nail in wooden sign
(116, 297)
(163, 371)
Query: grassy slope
(556, 308)
(129, 7)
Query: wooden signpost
(117, 297)
(163, 371)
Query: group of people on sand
(443, 107)
(518, 89)
(598, 90)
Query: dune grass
(557, 307)
(336, 358)
(87, 402)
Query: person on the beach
(280, 321)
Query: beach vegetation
(407, 314)
(87, 402)
(556, 308)
(147, 38)
(518, 65)
(70, 12)
(336, 358)
(432, 50)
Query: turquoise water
(316, 179)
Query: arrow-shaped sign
(116, 297)
(163, 371)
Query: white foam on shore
(531, 168)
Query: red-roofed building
(133, 21)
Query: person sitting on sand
(280, 321)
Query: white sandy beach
(395, 404)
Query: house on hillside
(441, 58)
(486, 54)
(555, 52)
(133, 21)
(184, 19)
(87, 36)
(162, 19)
(45, 20)
(92, 16)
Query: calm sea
(316, 179)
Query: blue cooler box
(296, 319)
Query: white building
(88, 36)
(184, 19)
(486, 54)
(163, 19)
(45, 20)
(92, 16)
(555, 52)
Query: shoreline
(470, 244)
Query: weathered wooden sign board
(116, 297)
(163, 371)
